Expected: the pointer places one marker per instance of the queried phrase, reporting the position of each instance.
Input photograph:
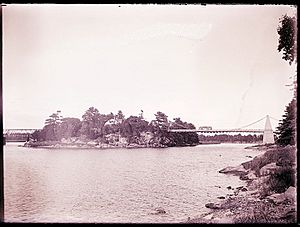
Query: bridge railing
(18, 131)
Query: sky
(214, 65)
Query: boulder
(160, 211)
(268, 169)
(277, 197)
(213, 206)
(236, 170)
(290, 193)
(92, 143)
(251, 175)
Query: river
(116, 185)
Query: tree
(120, 117)
(52, 124)
(93, 123)
(90, 123)
(287, 31)
(287, 127)
(161, 121)
(54, 119)
(179, 124)
(133, 126)
(69, 127)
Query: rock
(213, 206)
(237, 170)
(251, 175)
(160, 211)
(290, 193)
(208, 217)
(221, 197)
(244, 189)
(229, 187)
(277, 198)
(92, 143)
(267, 169)
(244, 177)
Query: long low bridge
(18, 131)
(17, 135)
(218, 130)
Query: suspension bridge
(268, 136)
(23, 135)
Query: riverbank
(269, 195)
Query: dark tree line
(95, 125)
(286, 131)
(224, 138)
(287, 43)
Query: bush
(282, 179)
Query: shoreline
(248, 204)
(97, 145)
(87, 145)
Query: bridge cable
(252, 123)
(274, 118)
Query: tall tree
(287, 43)
(287, 31)
(120, 117)
(161, 120)
(52, 125)
(287, 127)
(90, 123)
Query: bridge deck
(18, 131)
(218, 130)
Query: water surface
(116, 185)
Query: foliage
(133, 127)
(282, 179)
(287, 31)
(224, 138)
(52, 124)
(287, 127)
(102, 126)
(69, 127)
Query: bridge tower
(268, 136)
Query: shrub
(282, 179)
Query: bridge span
(219, 130)
(268, 136)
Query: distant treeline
(224, 138)
(101, 127)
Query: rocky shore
(257, 202)
(89, 145)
